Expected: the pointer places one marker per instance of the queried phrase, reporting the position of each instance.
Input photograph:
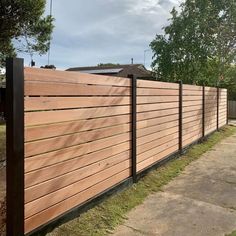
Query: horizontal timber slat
(48, 117)
(156, 92)
(151, 160)
(154, 129)
(156, 121)
(58, 209)
(155, 143)
(33, 74)
(154, 151)
(158, 106)
(65, 89)
(192, 87)
(156, 135)
(156, 99)
(52, 130)
(79, 133)
(42, 161)
(156, 84)
(54, 103)
(52, 144)
(58, 170)
(155, 114)
(46, 201)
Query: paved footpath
(199, 202)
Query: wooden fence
(71, 136)
(232, 109)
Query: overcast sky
(100, 31)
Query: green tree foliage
(199, 44)
(23, 28)
(108, 64)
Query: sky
(90, 32)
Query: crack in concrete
(202, 201)
(140, 231)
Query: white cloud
(94, 31)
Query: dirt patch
(3, 217)
(2, 179)
(2, 200)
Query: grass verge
(232, 234)
(102, 219)
(2, 142)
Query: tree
(52, 67)
(198, 46)
(23, 28)
(108, 64)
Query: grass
(2, 142)
(232, 234)
(102, 219)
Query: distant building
(116, 70)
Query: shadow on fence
(74, 138)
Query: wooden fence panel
(158, 130)
(84, 134)
(192, 113)
(222, 107)
(77, 140)
(210, 109)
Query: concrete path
(200, 202)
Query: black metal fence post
(203, 111)
(133, 126)
(180, 116)
(15, 146)
(218, 104)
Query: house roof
(115, 70)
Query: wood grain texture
(53, 130)
(55, 103)
(156, 99)
(191, 103)
(155, 121)
(61, 89)
(60, 178)
(192, 98)
(34, 74)
(49, 117)
(191, 140)
(155, 114)
(156, 135)
(157, 128)
(60, 208)
(53, 198)
(192, 93)
(156, 84)
(156, 150)
(157, 157)
(192, 87)
(157, 106)
(78, 134)
(194, 113)
(52, 144)
(157, 142)
(156, 92)
(42, 161)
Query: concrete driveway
(200, 202)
